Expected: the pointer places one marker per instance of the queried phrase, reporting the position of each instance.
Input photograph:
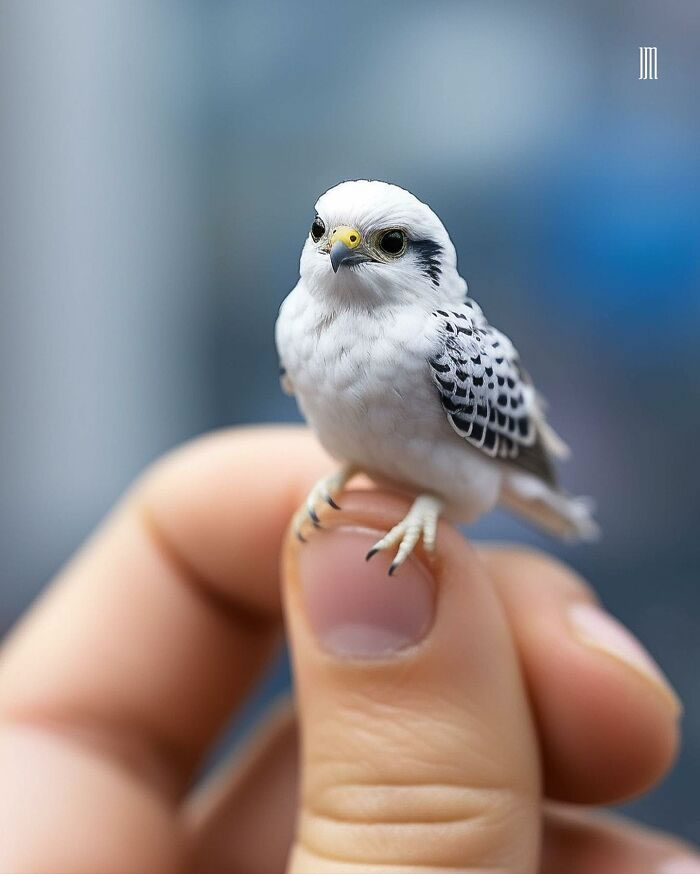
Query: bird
(401, 377)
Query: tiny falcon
(401, 377)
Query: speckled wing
(487, 396)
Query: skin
(115, 685)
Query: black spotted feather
(487, 396)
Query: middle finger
(607, 718)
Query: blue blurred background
(158, 169)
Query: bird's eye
(318, 229)
(392, 242)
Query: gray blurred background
(158, 169)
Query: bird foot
(325, 491)
(420, 522)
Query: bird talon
(418, 524)
(322, 493)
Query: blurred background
(159, 163)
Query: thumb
(418, 749)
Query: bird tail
(566, 516)
(551, 441)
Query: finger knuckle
(419, 825)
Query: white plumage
(401, 377)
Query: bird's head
(372, 243)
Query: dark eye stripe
(428, 255)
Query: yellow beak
(350, 237)
(343, 240)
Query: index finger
(150, 635)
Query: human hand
(465, 691)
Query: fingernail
(681, 865)
(353, 606)
(598, 629)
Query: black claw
(329, 500)
(373, 551)
(300, 537)
(313, 515)
(392, 568)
